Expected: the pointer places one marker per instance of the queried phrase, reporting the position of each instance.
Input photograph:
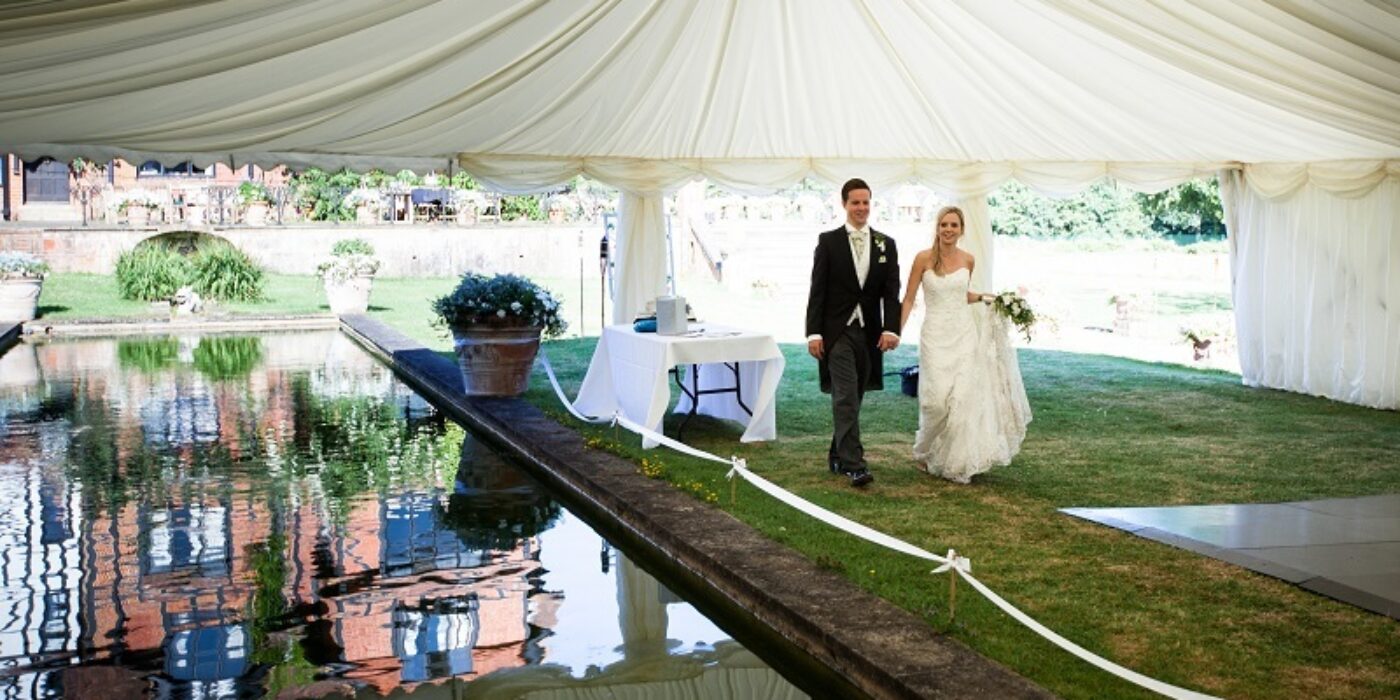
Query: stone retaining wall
(407, 251)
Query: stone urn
(350, 295)
(137, 215)
(19, 298)
(495, 360)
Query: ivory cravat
(862, 268)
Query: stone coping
(816, 627)
(9, 334)
(227, 324)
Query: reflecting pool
(277, 515)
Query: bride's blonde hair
(962, 224)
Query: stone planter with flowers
(21, 280)
(137, 206)
(497, 322)
(257, 202)
(349, 276)
(368, 204)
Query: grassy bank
(1107, 431)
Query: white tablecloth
(629, 373)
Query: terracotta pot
(349, 296)
(19, 298)
(496, 361)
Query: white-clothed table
(630, 373)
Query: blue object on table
(644, 325)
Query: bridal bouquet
(1014, 308)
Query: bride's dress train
(973, 410)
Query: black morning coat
(836, 290)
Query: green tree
(525, 206)
(1102, 210)
(321, 195)
(1191, 208)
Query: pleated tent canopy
(1296, 102)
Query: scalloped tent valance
(788, 87)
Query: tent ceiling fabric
(756, 93)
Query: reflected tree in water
(356, 445)
(269, 615)
(148, 356)
(227, 358)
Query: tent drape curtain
(641, 254)
(1316, 262)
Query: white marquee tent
(1294, 104)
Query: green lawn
(404, 302)
(1107, 432)
(69, 296)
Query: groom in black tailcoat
(852, 319)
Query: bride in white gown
(973, 410)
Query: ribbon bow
(954, 561)
(736, 463)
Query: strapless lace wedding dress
(973, 410)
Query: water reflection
(239, 517)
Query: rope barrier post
(952, 595)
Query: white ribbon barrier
(558, 391)
(828, 517)
(962, 566)
(1126, 674)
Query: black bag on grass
(909, 380)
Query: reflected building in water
(221, 530)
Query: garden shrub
(226, 273)
(152, 272)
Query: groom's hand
(816, 348)
(888, 342)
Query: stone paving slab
(813, 625)
(1344, 548)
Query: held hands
(888, 341)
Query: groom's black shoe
(833, 464)
(860, 477)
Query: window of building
(153, 168)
